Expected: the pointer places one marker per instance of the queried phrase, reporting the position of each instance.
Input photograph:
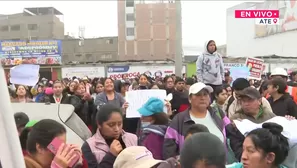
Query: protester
(136, 156)
(220, 98)
(21, 119)
(21, 95)
(143, 82)
(203, 150)
(69, 90)
(180, 99)
(233, 104)
(210, 66)
(83, 104)
(98, 89)
(39, 137)
(196, 128)
(189, 82)
(281, 102)
(264, 148)
(169, 84)
(154, 123)
(199, 113)
(57, 96)
(110, 139)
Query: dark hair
(144, 76)
(166, 78)
(240, 84)
(178, 79)
(105, 79)
(278, 83)
(196, 128)
(219, 90)
(263, 86)
(196, 148)
(190, 81)
(105, 112)
(270, 139)
(160, 118)
(42, 133)
(209, 43)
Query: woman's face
(169, 83)
(99, 88)
(229, 91)
(71, 86)
(222, 97)
(40, 89)
(142, 80)
(80, 90)
(46, 156)
(253, 157)
(21, 91)
(57, 88)
(108, 85)
(112, 128)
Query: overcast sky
(202, 20)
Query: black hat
(251, 93)
(21, 119)
(205, 147)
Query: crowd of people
(197, 131)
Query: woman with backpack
(154, 123)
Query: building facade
(146, 30)
(245, 39)
(33, 23)
(94, 50)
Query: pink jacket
(99, 147)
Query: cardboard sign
(255, 66)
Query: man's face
(180, 86)
(250, 106)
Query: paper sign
(289, 126)
(25, 74)
(137, 98)
(255, 66)
(239, 72)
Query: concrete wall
(243, 38)
(48, 27)
(93, 50)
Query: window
(129, 3)
(32, 26)
(78, 55)
(130, 32)
(78, 126)
(109, 41)
(4, 28)
(15, 27)
(130, 17)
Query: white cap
(135, 157)
(279, 72)
(197, 87)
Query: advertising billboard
(287, 17)
(43, 52)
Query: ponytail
(24, 137)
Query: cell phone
(74, 160)
(54, 145)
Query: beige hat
(135, 157)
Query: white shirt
(210, 124)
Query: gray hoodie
(210, 68)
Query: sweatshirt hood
(205, 46)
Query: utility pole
(178, 40)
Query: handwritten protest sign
(137, 98)
(289, 126)
(25, 74)
(255, 66)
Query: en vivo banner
(287, 18)
(116, 72)
(43, 52)
(255, 67)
